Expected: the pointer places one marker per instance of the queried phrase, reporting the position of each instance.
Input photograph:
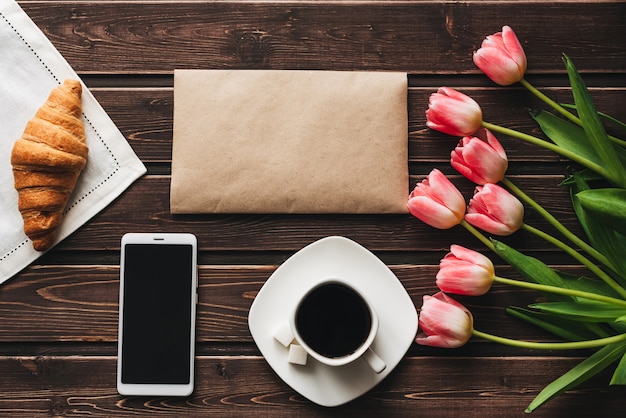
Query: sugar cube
(284, 335)
(297, 355)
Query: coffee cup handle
(375, 362)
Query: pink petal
(438, 341)
(514, 47)
(488, 224)
(432, 213)
(493, 41)
(459, 165)
(447, 193)
(450, 301)
(495, 144)
(474, 282)
(471, 256)
(502, 205)
(498, 66)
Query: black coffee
(333, 320)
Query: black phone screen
(156, 318)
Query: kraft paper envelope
(274, 141)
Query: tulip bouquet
(586, 312)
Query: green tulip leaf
(579, 183)
(586, 175)
(612, 119)
(588, 368)
(532, 269)
(561, 327)
(619, 375)
(606, 205)
(601, 114)
(593, 126)
(572, 138)
(582, 311)
(566, 135)
(602, 237)
(619, 327)
(586, 284)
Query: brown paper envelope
(273, 141)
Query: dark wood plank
(80, 303)
(145, 117)
(417, 37)
(58, 327)
(145, 207)
(246, 386)
(508, 107)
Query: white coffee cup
(336, 324)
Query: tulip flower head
(495, 210)
(480, 160)
(437, 202)
(501, 57)
(452, 112)
(444, 322)
(465, 272)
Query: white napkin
(30, 67)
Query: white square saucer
(333, 257)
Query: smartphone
(157, 312)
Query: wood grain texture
(226, 386)
(145, 117)
(58, 317)
(416, 37)
(145, 207)
(80, 303)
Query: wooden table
(58, 318)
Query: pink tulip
(465, 272)
(444, 322)
(501, 57)
(495, 210)
(437, 202)
(453, 113)
(480, 160)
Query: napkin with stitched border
(30, 67)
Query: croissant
(47, 161)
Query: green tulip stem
(478, 234)
(581, 258)
(550, 146)
(574, 345)
(558, 225)
(561, 110)
(561, 291)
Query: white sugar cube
(284, 335)
(297, 355)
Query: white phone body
(157, 314)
